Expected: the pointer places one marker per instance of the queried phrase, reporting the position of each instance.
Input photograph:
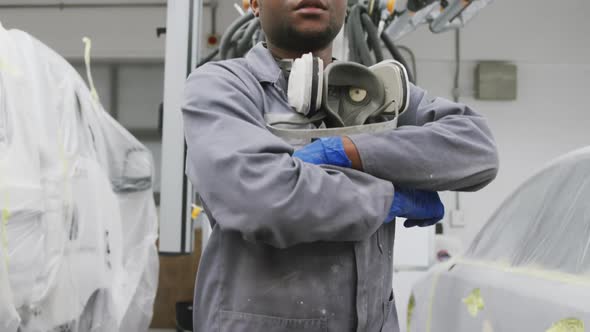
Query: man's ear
(255, 7)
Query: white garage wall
(138, 109)
(548, 42)
(120, 33)
(117, 33)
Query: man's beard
(288, 38)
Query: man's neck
(325, 54)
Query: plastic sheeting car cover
(529, 267)
(78, 222)
(545, 223)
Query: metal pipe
(456, 80)
(62, 5)
(213, 5)
(372, 36)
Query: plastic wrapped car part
(528, 269)
(546, 223)
(5, 129)
(76, 199)
(9, 318)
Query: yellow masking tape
(567, 325)
(474, 302)
(411, 306)
(5, 217)
(8, 68)
(87, 48)
(196, 212)
(487, 326)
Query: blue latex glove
(420, 208)
(324, 151)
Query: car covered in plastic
(78, 223)
(528, 269)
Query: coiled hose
(228, 40)
(368, 51)
(238, 39)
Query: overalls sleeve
(249, 181)
(440, 145)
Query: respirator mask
(343, 98)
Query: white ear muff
(305, 84)
(298, 90)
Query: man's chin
(313, 39)
(310, 31)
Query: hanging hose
(373, 36)
(368, 51)
(359, 50)
(229, 34)
(246, 41)
(396, 54)
(238, 39)
(238, 35)
(259, 36)
(208, 58)
(413, 58)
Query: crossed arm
(440, 145)
(251, 184)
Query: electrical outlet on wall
(496, 80)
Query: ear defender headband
(306, 83)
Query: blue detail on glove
(420, 208)
(324, 151)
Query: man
(304, 242)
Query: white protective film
(78, 221)
(529, 267)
